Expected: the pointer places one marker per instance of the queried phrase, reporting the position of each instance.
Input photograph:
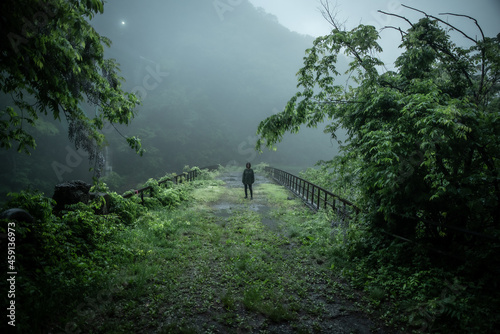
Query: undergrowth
(409, 286)
(64, 255)
(193, 269)
(177, 265)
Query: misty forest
(130, 132)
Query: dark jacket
(248, 177)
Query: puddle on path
(225, 209)
(339, 316)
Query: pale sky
(304, 16)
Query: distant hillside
(207, 76)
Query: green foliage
(128, 210)
(205, 174)
(165, 195)
(337, 176)
(62, 256)
(404, 285)
(34, 202)
(422, 140)
(194, 260)
(58, 256)
(63, 67)
(422, 146)
(260, 167)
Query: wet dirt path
(229, 265)
(258, 204)
(331, 313)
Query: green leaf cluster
(422, 139)
(52, 62)
(58, 255)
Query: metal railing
(317, 197)
(314, 196)
(177, 179)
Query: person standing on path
(248, 179)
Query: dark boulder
(72, 192)
(19, 215)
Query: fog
(207, 72)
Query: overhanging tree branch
(467, 16)
(396, 15)
(328, 15)
(403, 33)
(483, 70)
(331, 18)
(449, 53)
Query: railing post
(298, 186)
(319, 195)
(312, 194)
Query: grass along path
(224, 264)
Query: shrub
(126, 209)
(58, 256)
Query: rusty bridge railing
(314, 196)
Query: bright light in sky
(123, 23)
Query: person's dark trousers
(251, 192)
